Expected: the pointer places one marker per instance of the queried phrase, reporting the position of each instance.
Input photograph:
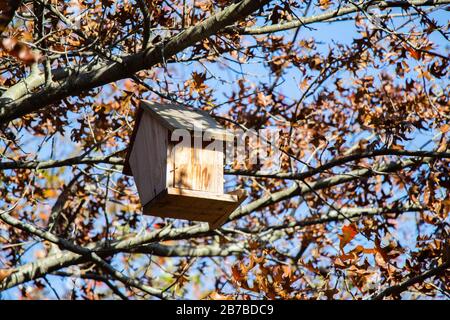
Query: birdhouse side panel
(149, 157)
(197, 168)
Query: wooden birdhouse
(176, 156)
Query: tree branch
(188, 251)
(93, 276)
(301, 189)
(397, 289)
(341, 161)
(48, 164)
(70, 82)
(84, 252)
(342, 11)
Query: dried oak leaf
(348, 233)
(19, 50)
(4, 273)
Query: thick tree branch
(303, 189)
(188, 251)
(81, 251)
(342, 11)
(145, 244)
(341, 161)
(397, 289)
(48, 164)
(70, 82)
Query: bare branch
(79, 160)
(93, 276)
(342, 11)
(342, 161)
(397, 289)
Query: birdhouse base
(195, 205)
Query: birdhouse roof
(174, 116)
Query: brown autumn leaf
(324, 4)
(439, 70)
(348, 256)
(217, 296)
(414, 53)
(263, 100)
(236, 273)
(338, 263)
(330, 293)
(19, 50)
(381, 252)
(4, 273)
(198, 81)
(444, 128)
(348, 233)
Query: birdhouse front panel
(197, 168)
(180, 178)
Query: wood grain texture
(197, 168)
(173, 116)
(241, 195)
(192, 205)
(148, 158)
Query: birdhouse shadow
(181, 179)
